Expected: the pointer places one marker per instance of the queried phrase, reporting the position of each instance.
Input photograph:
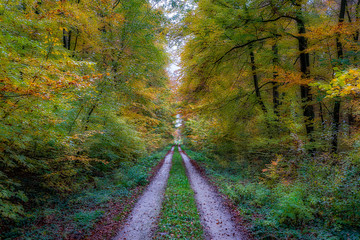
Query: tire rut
(142, 221)
(215, 216)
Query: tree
(289, 45)
(83, 87)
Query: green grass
(179, 217)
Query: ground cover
(106, 204)
(318, 202)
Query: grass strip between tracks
(179, 217)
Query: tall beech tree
(337, 103)
(306, 94)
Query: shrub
(86, 219)
(292, 209)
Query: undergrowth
(179, 217)
(76, 216)
(292, 199)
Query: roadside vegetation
(83, 94)
(179, 216)
(317, 201)
(270, 94)
(76, 216)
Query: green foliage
(11, 208)
(179, 217)
(134, 176)
(316, 201)
(85, 220)
(78, 213)
(117, 142)
(82, 90)
(291, 208)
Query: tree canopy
(282, 67)
(83, 87)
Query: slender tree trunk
(357, 33)
(306, 96)
(256, 81)
(88, 116)
(335, 126)
(321, 114)
(66, 39)
(76, 39)
(357, 17)
(51, 47)
(275, 91)
(351, 119)
(336, 110)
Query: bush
(78, 212)
(85, 220)
(117, 142)
(292, 208)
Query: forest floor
(95, 212)
(217, 219)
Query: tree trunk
(275, 91)
(66, 39)
(76, 39)
(357, 18)
(339, 46)
(256, 81)
(335, 126)
(351, 119)
(321, 114)
(88, 116)
(336, 110)
(306, 96)
(76, 117)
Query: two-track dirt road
(215, 216)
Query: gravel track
(215, 216)
(142, 220)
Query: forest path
(142, 220)
(215, 216)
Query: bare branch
(243, 45)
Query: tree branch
(243, 45)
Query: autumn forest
(256, 101)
